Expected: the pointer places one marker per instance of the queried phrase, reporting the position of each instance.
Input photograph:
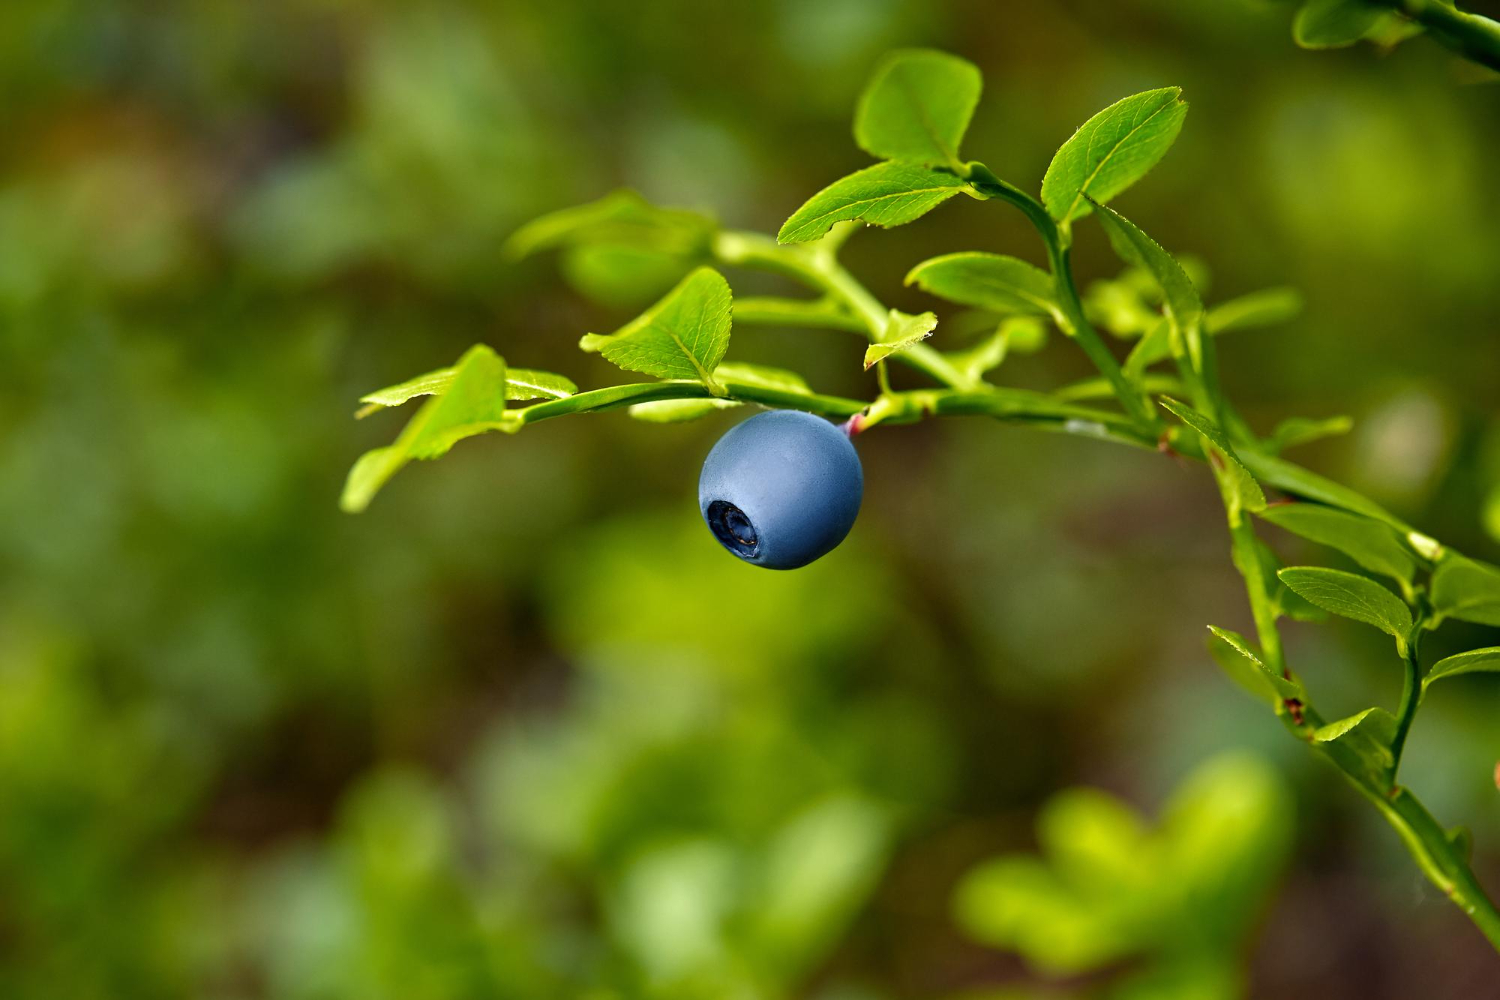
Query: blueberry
(781, 489)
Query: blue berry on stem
(781, 489)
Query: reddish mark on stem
(1294, 709)
(854, 424)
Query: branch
(1474, 37)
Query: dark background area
(522, 729)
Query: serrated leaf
(682, 336)
(1266, 307)
(1466, 589)
(917, 106)
(902, 331)
(1247, 491)
(1368, 735)
(472, 403)
(1111, 151)
(1247, 669)
(1332, 24)
(887, 194)
(1180, 300)
(1373, 544)
(1475, 661)
(1352, 596)
(988, 281)
(621, 218)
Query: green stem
(818, 268)
(776, 311)
(1411, 694)
(617, 396)
(987, 185)
(1470, 35)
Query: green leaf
(1247, 491)
(988, 281)
(731, 374)
(902, 331)
(1475, 661)
(1352, 596)
(1294, 479)
(887, 194)
(1111, 151)
(1332, 24)
(520, 384)
(1247, 669)
(1373, 544)
(1303, 430)
(1266, 307)
(1180, 300)
(917, 106)
(472, 403)
(1466, 589)
(682, 336)
(1367, 735)
(533, 383)
(621, 218)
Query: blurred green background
(522, 729)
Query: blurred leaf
(682, 336)
(1184, 307)
(1373, 544)
(818, 868)
(1266, 307)
(1331, 24)
(1124, 307)
(902, 331)
(1019, 904)
(621, 218)
(1301, 430)
(671, 905)
(1248, 494)
(988, 281)
(1227, 833)
(623, 276)
(1095, 840)
(1111, 889)
(730, 373)
(917, 106)
(1234, 654)
(1352, 596)
(1466, 589)
(520, 384)
(1111, 151)
(1474, 661)
(887, 194)
(473, 403)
